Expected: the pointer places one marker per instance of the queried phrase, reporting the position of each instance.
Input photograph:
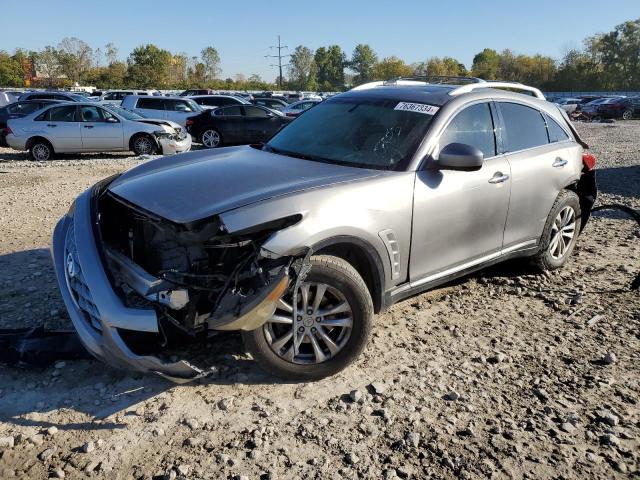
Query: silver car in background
(82, 127)
(375, 195)
(176, 109)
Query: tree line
(607, 61)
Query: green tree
(149, 66)
(211, 60)
(363, 61)
(486, 64)
(11, 70)
(330, 62)
(446, 66)
(302, 69)
(391, 67)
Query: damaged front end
(125, 272)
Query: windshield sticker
(417, 107)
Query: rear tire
(143, 144)
(40, 150)
(211, 138)
(328, 342)
(560, 232)
(627, 115)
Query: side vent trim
(393, 249)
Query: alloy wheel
(627, 115)
(143, 145)
(562, 232)
(312, 328)
(41, 152)
(211, 139)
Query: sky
(242, 32)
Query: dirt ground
(506, 374)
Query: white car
(176, 109)
(82, 127)
(116, 96)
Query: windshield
(123, 112)
(355, 132)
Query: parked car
(296, 108)
(53, 95)
(625, 108)
(86, 127)
(591, 108)
(235, 125)
(273, 103)
(215, 101)
(569, 105)
(18, 110)
(116, 96)
(176, 109)
(367, 199)
(196, 91)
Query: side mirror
(460, 156)
(112, 120)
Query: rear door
(150, 107)
(232, 125)
(101, 131)
(61, 127)
(543, 160)
(459, 216)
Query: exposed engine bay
(198, 277)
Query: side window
(110, 96)
(556, 133)
(232, 111)
(62, 97)
(149, 103)
(255, 112)
(43, 117)
(472, 126)
(63, 114)
(524, 127)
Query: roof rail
(421, 80)
(512, 85)
(442, 79)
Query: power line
(279, 56)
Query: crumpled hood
(192, 186)
(165, 124)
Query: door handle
(88, 126)
(52, 125)
(560, 162)
(499, 177)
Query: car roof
(436, 95)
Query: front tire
(40, 150)
(143, 144)
(211, 138)
(560, 232)
(323, 331)
(627, 115)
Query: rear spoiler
(575, 133)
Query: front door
(459, 216)
(101, 131)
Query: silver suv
(370, 197)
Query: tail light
(189, 122)
(6, 130)
(589, 161)
(289, 114)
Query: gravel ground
(505, 374)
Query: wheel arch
(363, 257)
(35, 138)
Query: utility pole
(279, 56)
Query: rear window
(524, 127)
